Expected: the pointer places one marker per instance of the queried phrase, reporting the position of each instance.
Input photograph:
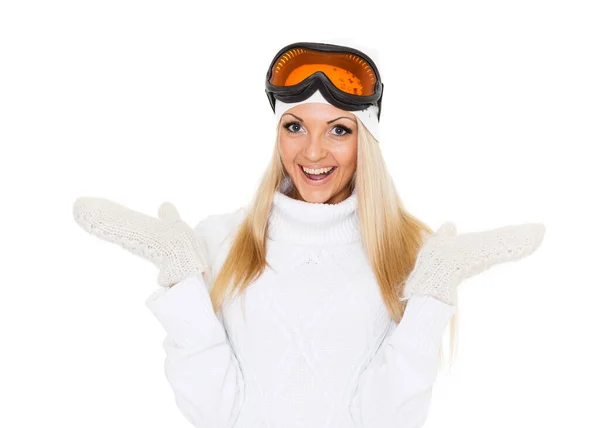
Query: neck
(307, 223)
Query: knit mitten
(446, 259)
(166, 241)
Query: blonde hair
(391, 236)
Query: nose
(315, 149)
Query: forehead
(315, 112)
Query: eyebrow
(333, 120)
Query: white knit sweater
(311, 343)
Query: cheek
(286, 148)
(345, 155)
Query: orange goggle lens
(348, 72)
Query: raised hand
(446, 259)
(166, 241)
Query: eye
(346, 130)
(295, 127)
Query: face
(324, 138)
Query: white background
(490, 117)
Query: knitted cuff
(423, 324)
(186, 313)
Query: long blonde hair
(391, 236)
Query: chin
(316, 196)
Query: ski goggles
(345, 77)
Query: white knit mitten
(166, 241)
(446, 259)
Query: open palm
(446, 259)
(166, 241)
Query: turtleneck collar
(300, 222)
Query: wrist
(175, 273)
(439, 290)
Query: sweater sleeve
(200, 365)
(395, 388)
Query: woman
(322, 303)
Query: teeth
(317, 171)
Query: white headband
(368, 116)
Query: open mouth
(317, 177)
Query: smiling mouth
(317, 177)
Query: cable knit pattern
(311, 343)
